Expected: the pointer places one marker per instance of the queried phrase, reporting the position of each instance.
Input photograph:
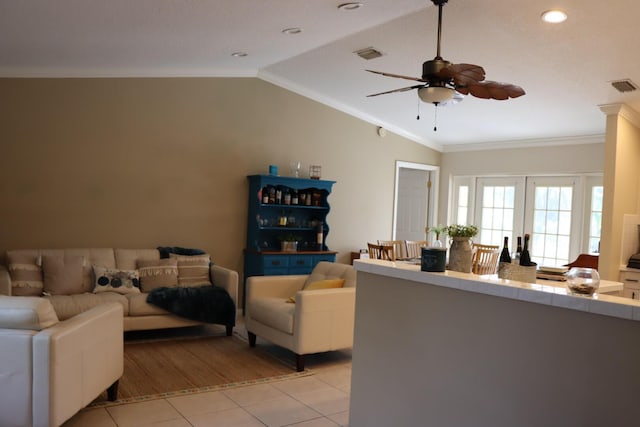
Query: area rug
(160, 367)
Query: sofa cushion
(332, 270)
(138, 306)
(114, 280)
(26, 274)
(33, 313)
(158, 273)
(62, 274)
(127, 259)
(67, 306)
(193, 270)
(273, 312)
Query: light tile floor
(319, 400)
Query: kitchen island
(455, 349)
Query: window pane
(509, 197)
(553, 198)
(596, 198)
(541, 198)
(487, 199)
(566, 194)
(539, 223)
(596, 221)
(507, 222)
(463, 196)
(498, 197)
(564, 226)
(550, 246)
(462, 215)
(487, 218)
(552, 222)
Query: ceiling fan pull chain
(418, 117)
(435, 117)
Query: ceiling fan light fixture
(239, 54)
(435, 94)
(554, 16)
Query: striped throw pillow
(26, 275)
(158, 273)
(193, 270)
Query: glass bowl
(583, 281)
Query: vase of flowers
(460, 252)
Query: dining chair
(485, 259)
(414, 248)
(399, 247)
(381, 252)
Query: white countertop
(554, 293)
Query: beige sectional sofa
(50, 369)
(138, 314)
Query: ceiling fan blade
(397, 76)
(492, 90)
(463, 74)
(404, 89)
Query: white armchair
(320, 320)
(49, 370)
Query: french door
(562, 214)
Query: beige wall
(622, 189)
(148, 162)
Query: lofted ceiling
(566, 69)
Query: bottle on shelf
(518, 251)
(525, 257)
(287, 196)
(265, 195)
(272, 195)
(278, 196)
(294, 197)
(320, 235)
(307, 200)
(504, 255)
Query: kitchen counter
(542, 292)
(453, 349)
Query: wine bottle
(525, 258)
(504, 255)
(287, 197)
(294, 197)
(278, 196)
(518, 252)
(265, 195)
(320, 235)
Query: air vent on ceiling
(624, 85)
(368, 53)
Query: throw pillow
(114, 280)
(62, 274)
(157, 274)
(26, 275)
(193, 270)
(320, 284)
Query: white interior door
(415, 192)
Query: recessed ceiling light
(292, 30)
(554, 16)
(350, 6)
(239, 54)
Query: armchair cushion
(31, 313)
(331, 270)
(274, 312)
(320, 284)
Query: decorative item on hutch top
(287, 225)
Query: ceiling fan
(443, 82)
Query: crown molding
(527, 143)
(622, 110)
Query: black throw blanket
(210, 304)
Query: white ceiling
(565, 69)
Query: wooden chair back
(585, 260)
(414, 248)
(485, 259)
(399, 247)
(385, 252)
